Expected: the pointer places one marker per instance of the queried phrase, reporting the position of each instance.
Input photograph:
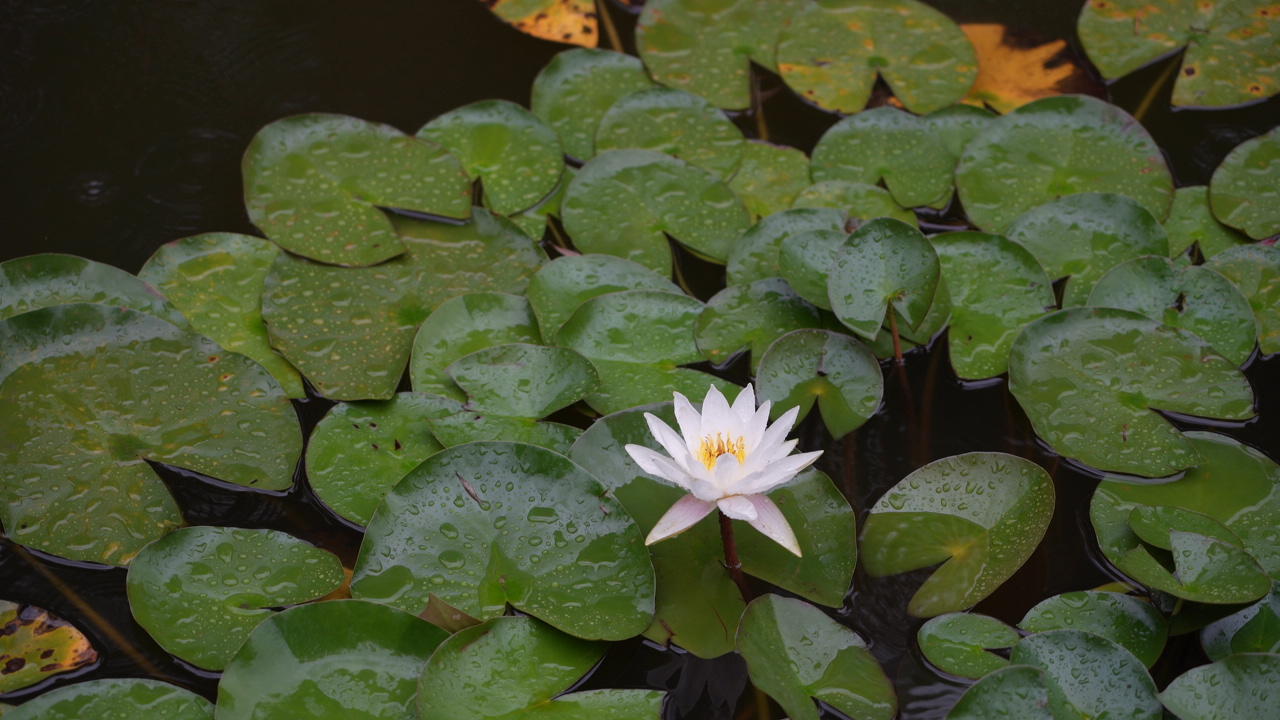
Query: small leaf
(454, 422)
(523, 380)
(35, 644)
(887, 144)
(1254, 629)
(1191, 222)
(460, 326)
(1127, 621)
(1239, 686)
(755, 256)
(885, 264)
(833, 369)
(859, 201)
(805, 260)
(112, 698)
(49, 279)
(577, 87)
(769, 178)
(564, 284)
(958, 643)
(1243, 191)
(674, 122)
(749, 318)
(1255, 271)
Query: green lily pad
(350, 330)
(798, 655)
(316, 185)
(887, 144)
(517, 667)
(534, 221)
(49, 279)
(35, 644)
(983, 513)
(960, 643)
(934, 322)
(749, 318)
(454, 423)
(1255, 271)
(1231, 54)
(833, 369)
(90, 393)
(1239, 686)
(1254, 629)
(574, 91)
(859, 201)
(769, 177)
(627, 384)
(674, 122)
(1193, 297)
(115, 699)
(462, 325)
(200, 591)
(523, 380)
(805, 260)
(1245, 189)
(626, 203)
(1059, 146)
(1127, 621)
(489, 524)
(833, 50)
(1191, 222)
(516, 158)
(955, 125)
(1083, 236)
(1090, 380)
(1018, 691)
(1087, 675)
(706, 48)
(338, 659)
(885, 264)
(562, 285)
(756, 255)
(995, 287)
(216, 280)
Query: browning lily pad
(887, 144)
(578, 87)
(817, 365)
(1012, 73)
(49, 279)
(316, 185)
(674, 122)
(1245, 190)
(769, 177)
(115, 699)
(1255, 271)
(566, 21)
(36, 644)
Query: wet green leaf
(888, 144)
(577, 87)
(769, 177)
(1090, 380)
(534, 221)
(517, 667)
(749, 318)
(359, 451)
(49, 279)
(988, 308)
(1245, 189)
(350, 330)
(523, 380)
(1191, 222)
(338, 659)
(200, 591)
(955, 125)
(516, 158)
(35, 644)
(1231, 54)
(1125, 620)
(885, 264)
(797, 655)
(626, 203)
(115, 699)
(707, 47)
(1014, 692)
(316, 185)
(1254, 629)
(805, 260)
(674, 122)
(756, 255)
(833, 50)
(1055, 147)
(983, 513)
(462, 325)
(453, 422)
(626, 384)
(859, 201)
(566, 21)
(1087, 675)
(1255, 271)
(1239, 686)
(489, 524)
(562, 285)
(216, 280)
(90, 393)
(833, 369)
(959, 643)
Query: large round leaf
(115, 699)
(1245, 190)
(517, 667)
(1089, 675)
(817, 365)
(674, 122)
(316, 185)
(755, 256)
(626, 203)
(563, 284)
(35, 644)
(1192, 297)
(1083, 236)
(749, 318)
(1191, 222)
(960, 643)
(1013, 692)
(996, 287)
(770, 177)
(1255, 628)
(1090, 380)
(798, 655)
(523, 380)
(1127, 621)
(340, 659)
(48, 279)
(200, 591)
(1231, 53)
(462, 325)
(859, 201)
(216, 280)
(886, 265)
(488, 524)
(983, 513)
(1239, 686)
(891, 145)
(1059, 146)
(577, 87)
(833, 50)
(705, 47)
(1255, 271)
(517, 159)
(90, 393)
(349, 330)
(454, 422)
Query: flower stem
(731, 560)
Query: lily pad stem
(602, 10)
(897, 340)
(757, 108)
(731, 560)
(1152, 91)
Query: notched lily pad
(566, 21)
(316, 185)
(859, 201)
(805, 260)
(1127, 621)
(1191, 222)
(887, 144)
(1253, 629)
(36, 644)
(836, 371)
(562, 285)
(577, 87)
(983, 513)
(115, 699)
(885, 266)
(1245, 189)
(462, 325)
(755, 256)
(1255, 271)
(749, 318)
(674, 122)
(49, 279)
(453, 422)
(1239, 686)
(523, 380)
(960, 643)
(769, 177)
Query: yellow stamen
(713, 447)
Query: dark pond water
(121, 128)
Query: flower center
(713, 447)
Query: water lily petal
(738, 507)
(671, 442)
(778, 472)
(680, 517)
(744, 406)
(727, 475)
(690, 422)
(777, 432)
(756, 425)
(660, 466)
(717, 417)
(771, 523)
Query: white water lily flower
(725, 457)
